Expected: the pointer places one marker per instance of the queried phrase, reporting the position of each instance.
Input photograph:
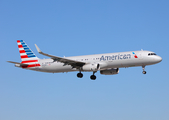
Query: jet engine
(91, 67)
(111, 71)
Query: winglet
(38, 48)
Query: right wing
(73, 63)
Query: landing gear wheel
(144, 72)
(93, 77)
(79, 75)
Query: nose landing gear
(144, 72)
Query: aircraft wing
(73, 63)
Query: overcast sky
(82, 27)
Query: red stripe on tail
(22, 51)
(24, 56)
(20, 46)
(29, 61)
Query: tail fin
(27, 56)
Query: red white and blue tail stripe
(27, 56)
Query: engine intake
(111, 71)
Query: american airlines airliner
(107, 64)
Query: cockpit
(151, 54)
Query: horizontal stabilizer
(17, 63)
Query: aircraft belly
(114, 64)
(125, 63)
(134, 62)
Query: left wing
(73, 63)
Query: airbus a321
(107, 64)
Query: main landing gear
(92, 77)
(144, 72)
(79, 75)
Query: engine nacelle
(111, 71)
(91, 67)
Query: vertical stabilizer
(27, 56)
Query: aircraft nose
(158, 59)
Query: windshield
(151, 54)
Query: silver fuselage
(109, 60)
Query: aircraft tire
(93, 77)
(144, 72)
(79, 75)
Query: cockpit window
(151, 54)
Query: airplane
(107, 64)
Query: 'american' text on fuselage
(115, 57)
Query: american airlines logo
(115, 57)
(135, 55)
